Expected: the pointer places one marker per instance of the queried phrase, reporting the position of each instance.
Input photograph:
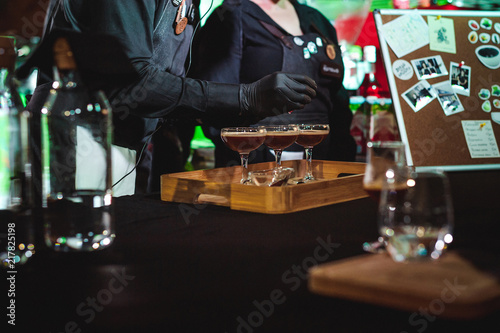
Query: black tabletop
(202, 268)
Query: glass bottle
(378, 106)
(370, 89)
(370, 92)
(16, 206)
(76, 161)
(359, 126)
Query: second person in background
(244, 40)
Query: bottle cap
(63, 56)
(7, 52)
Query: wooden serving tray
(451, 287)
(337, 182)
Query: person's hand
(277, 93)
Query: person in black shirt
(155, 36)
(258, 37)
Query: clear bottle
(76, 161)
(16, 206)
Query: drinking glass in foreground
(381, 157)
(417, 220)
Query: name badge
(331, 69)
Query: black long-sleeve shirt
(145, 30)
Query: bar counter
(202, 268)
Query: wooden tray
(338, 182)
(451, 287)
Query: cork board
(443, 69)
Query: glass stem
(309, 155)
(244, 168)
(278, 152)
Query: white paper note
(480, 138)
(441, 34)
(406, 34)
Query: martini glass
(279, 137)
(310, 136)
(243, 140)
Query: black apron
(313, 55)
(170, 144)
(171, 48)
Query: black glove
(276, 93)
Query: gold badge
(181, 20)
(330, 51)
(181, 25)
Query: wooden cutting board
(451, 287)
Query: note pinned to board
(480, 138)
(441, 34)
(406, 34)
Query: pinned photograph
(447, 98)
(430, 67)
(419, 95)
(460, 76)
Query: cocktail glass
(310, 136)
(243, 140)
(279, 137)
